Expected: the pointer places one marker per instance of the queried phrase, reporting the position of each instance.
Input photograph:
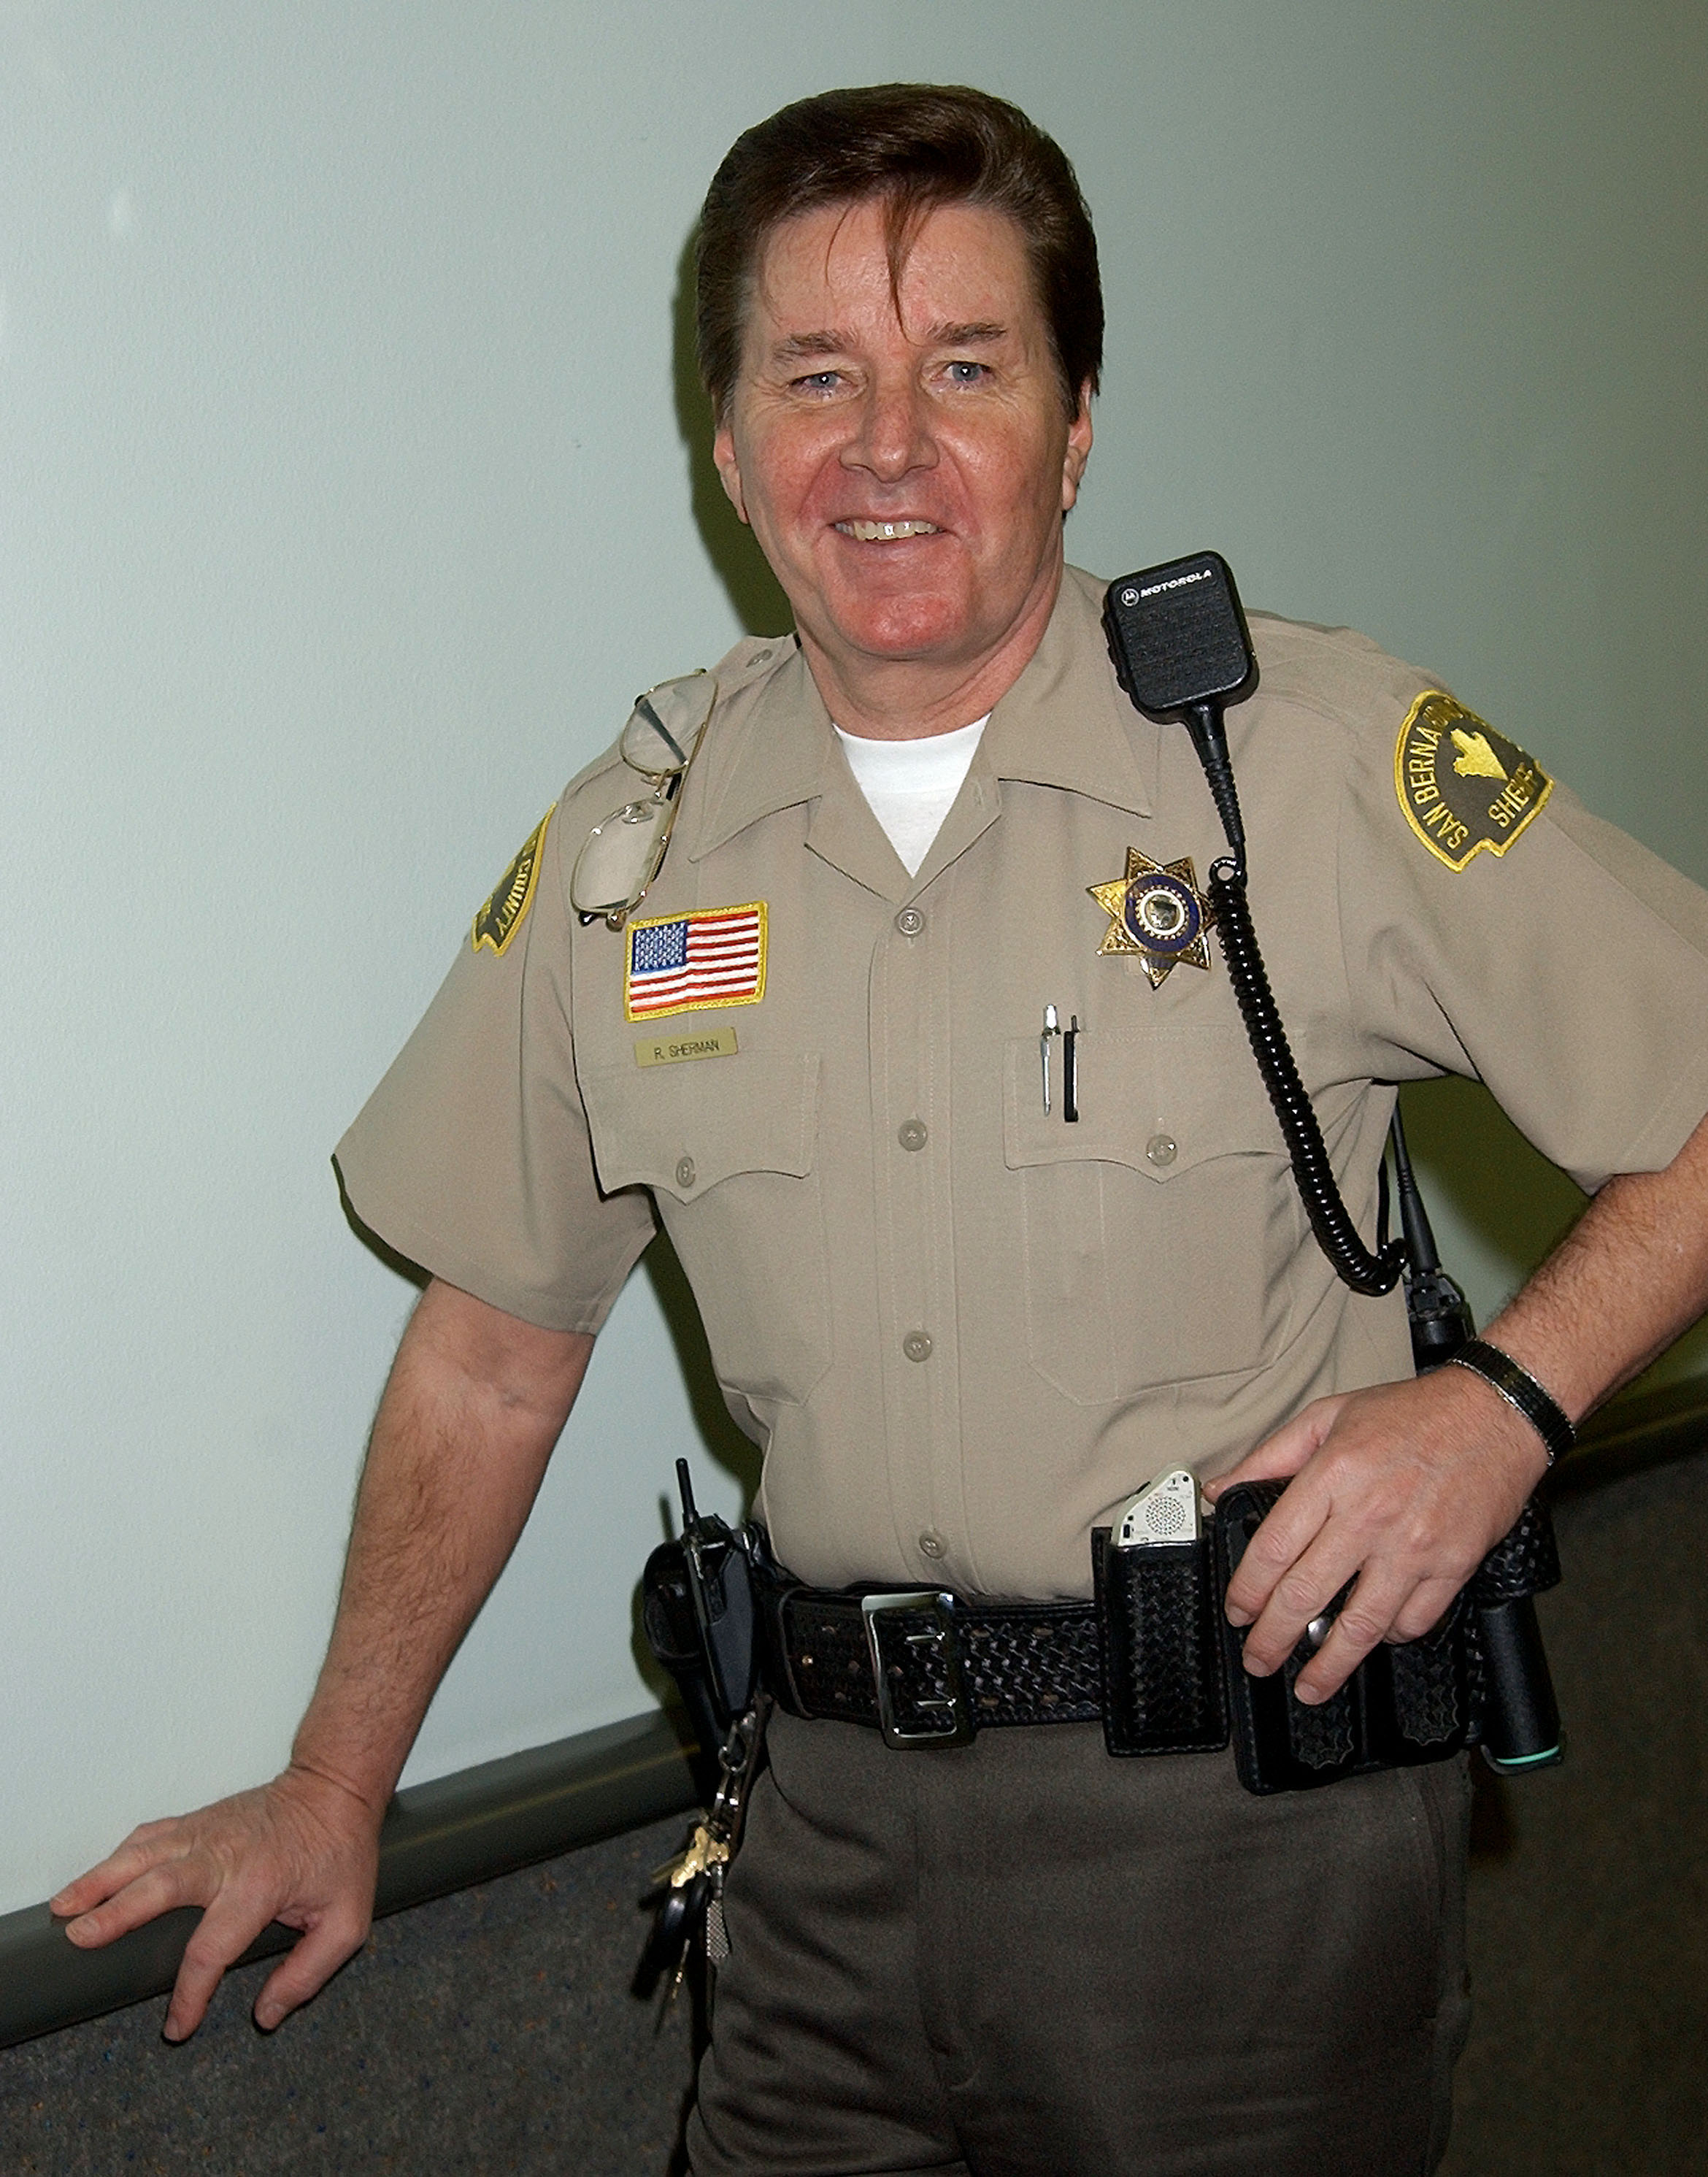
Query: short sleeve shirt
(964, 1326)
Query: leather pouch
(1157, 1611)
(1403, 1705)
(672, 1634)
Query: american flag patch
(677, 965)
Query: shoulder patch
(1462, 786)
(503, 911)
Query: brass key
(704, 1850)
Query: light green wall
(349, 488)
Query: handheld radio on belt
(1182, 654)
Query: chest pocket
(1157, 1231)
(726, 1146)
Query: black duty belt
(1152, 1657)
(926, 1668)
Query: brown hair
(917, 145)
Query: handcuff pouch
(1404, 1704)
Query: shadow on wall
(760, 605)
(1468, 1153)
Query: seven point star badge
(1156, 912)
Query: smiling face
(905, 471)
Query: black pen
(1070, 1071)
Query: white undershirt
(911, 784)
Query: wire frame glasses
(622, 853)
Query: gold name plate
(671, 1050)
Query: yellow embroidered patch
(1463, 787)
(502, 913)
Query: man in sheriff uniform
(918, 843)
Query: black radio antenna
(1440, 1313)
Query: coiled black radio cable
(1336, 1233)
(1181, 649)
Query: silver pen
(1049, 1030)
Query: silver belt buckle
(939, 1634)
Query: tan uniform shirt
(963, 1328)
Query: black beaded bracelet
(1519, 1389)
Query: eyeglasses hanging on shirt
(622, 855)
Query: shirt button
(911, 1133)
(685, 1171)
(910, 922)
(931, 1543)
(917, 1345)
(1161, 1149)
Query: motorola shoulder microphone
(1183, 651)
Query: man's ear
(728, 468)
(1078, 451)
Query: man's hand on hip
(303, 1850)
(1407, 1487)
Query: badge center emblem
(1157, 913)
(1162, 915)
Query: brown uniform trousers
(1023, 1959)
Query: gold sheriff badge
(1156, 912)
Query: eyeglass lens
(622, 853)
(620, 858)
(665, 724)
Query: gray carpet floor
(492, 2031)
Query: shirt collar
(770, 749)
(1064, 724)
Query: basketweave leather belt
(1153, 1658)
(928, 1669)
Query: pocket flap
(681, 1129)
(1161, 1104)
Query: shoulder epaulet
(607, 760)
(750, 658)
(748, 661)
(1334, 671)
